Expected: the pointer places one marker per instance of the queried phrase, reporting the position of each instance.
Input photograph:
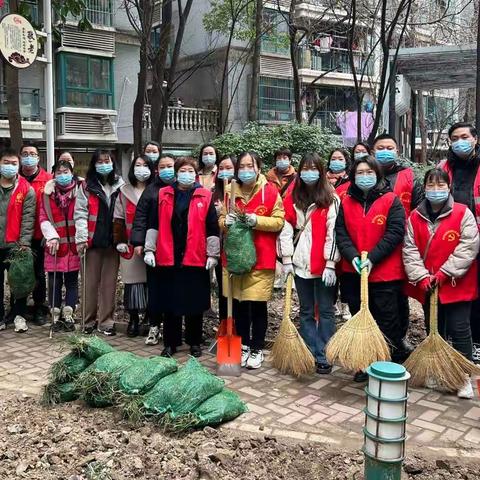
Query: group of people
(164, 227)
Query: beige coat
(256, 285)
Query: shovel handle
(433, 320)
(288, 297)
(364, 282)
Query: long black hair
(132, 179)
(202, 148)
(345, 154)
(219, 190)
(92, 174)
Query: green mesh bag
(55, 393)
(222, 407)
(21, 274)
(145, 373)
(239, 248)
(68, 368)
(183, 391)
(91, 347)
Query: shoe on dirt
(20, 324)
(153, 336)
(108, 332)
(245, 355)
(255, 359)
(466, 391)
(69, 321)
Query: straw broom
(435, 359)
(359, 342)
(289, 353)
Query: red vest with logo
(93, 208)
(476, 187)
(13, 226)
(342, 190)
(366, 230)
(38, 185)
(436, 248)
(403, 189)
(196, 244)
(318, 221)
(63, 224)
(130, 209)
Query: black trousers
(475, 313)
(404, 314)
(385, 303)
(40, 291)
(18, 306)
(453, 322)
(251, 322)
(172, 330)
(222, 301)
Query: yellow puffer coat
(256, 285)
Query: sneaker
(153, 335)
(324, 369)
(476, 353)
(245, 355)
(108, 332)
(89, 329)
(39, 318)
(255, 359)
(57, 323)
(20, 324)
(346, 315)
(467, 390)
(69, 321)
(360, 377)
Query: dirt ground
(73, 442)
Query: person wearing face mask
(183, 247)
(337, 171)
(152, 151)
(94, 238)
(37, 177)
(207, 160)
(440, 248)
(308, 248)
(372, 219)
(132, 267)
(146, 217)
(283, 174)
(62, 263)
(462, 165)
(17, 217)
(251, 291)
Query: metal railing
(327, 120)
(29, 103)
(333, 59)
(185, 118)
(100, 12)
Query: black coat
(394, 232)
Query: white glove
(251, 219)
(366, 264)
(212, 262)
(357, 264)
(53, 245)
(329, 277)
(122, 248)
(149, 259)
(287, 269)
(230, 219)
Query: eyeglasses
(29, 154)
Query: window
(85, 81)
(275, 39)
(275, 99)
(99, 12)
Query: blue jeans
(316, 300)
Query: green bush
(300, 138)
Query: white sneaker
(476, 353)
(69, 321)
(20, 324)
(153, 335)
(467, 390)
(255, 359)
(346, 315)
(245, 355)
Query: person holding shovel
(441, 245)
(308, 248)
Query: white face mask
(142, 173)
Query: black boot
(168, 352)
(133, 328)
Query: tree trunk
(139, 104)
(13, 107)
(422, 126)
(252, 114)
(469, 115)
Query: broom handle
(230, 207)
(288, 298)
(434, 311)
(364, 283)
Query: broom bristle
(358, 343)
(435, 359)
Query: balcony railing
(187, 119)
(97, 12)
(327, 120)
(29, 104)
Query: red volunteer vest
(404, 187)
(64, 225)
(93, 207)
(476, 187)
(15, 211)
(366, 230)
(342, 190)
(435, 250)
(130, 209)
(318, 221)
(196, 245)
(38, 184)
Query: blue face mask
(282, 165)
(208, 160)
(384, 157)
(225, 175)
(64, 179)
(29, 161)
(337, 166)
(8, 171)
(360, 155)
(310, 176)
(247, 176)
(462, 148)
(167, 174)
(153, 156)
(437, 197)
(365, 182)
(186, 178)
(104, 168)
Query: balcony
(335, 59)
(100, 13)
(29, 104)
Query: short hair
(182, 161)
(255, 157)
(131, 171)
(372, 163)
(283, 151)
(385, 136)
(9, 152)
(62, 163)
(29, 144)
(435, 175)
(454, 127)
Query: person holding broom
(308, 248)
(441, 245)
(371, 218)
(259, 202)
